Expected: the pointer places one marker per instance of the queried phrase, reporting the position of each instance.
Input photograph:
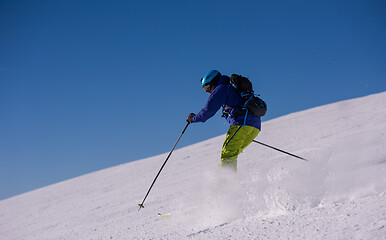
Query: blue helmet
(211, 77)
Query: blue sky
(85, 85)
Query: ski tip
(166, 216)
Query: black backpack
(251, 104)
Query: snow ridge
(339, 194)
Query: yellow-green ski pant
(236, 140)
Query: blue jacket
(226, 96)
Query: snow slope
(338, 194)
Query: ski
(165, 216)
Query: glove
(189, 119)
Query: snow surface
(339, 194)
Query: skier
(243, 128)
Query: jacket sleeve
(215, 101)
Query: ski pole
(293, 155)
(141, 204)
